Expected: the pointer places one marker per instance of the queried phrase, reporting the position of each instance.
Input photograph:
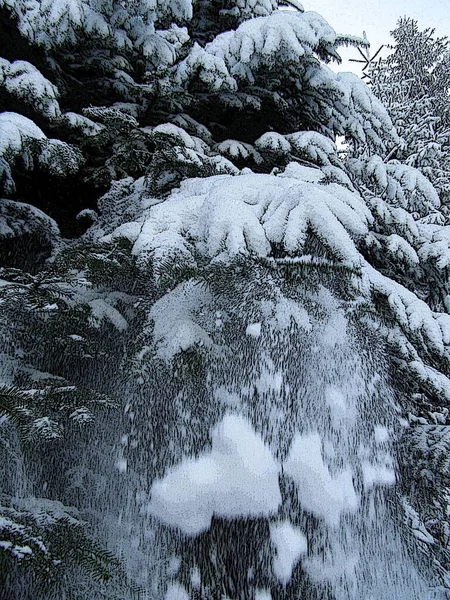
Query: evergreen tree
(250, 301)
(413, 83)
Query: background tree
(413, 83)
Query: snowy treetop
(282, 36)
(244, 60)
(54, 23)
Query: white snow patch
(303, 173)
(325, 495)
(381, 434)
(196, 580)
(253, 330)
(378, 474)
(101, 310)
(227, 216)
(340, 411)
(332, 566)
(174, 318)
(176, 591)
(287, 311)
(122, 465)
(174, 565)
(290, 544)
(263, 595)
(238, 477)
(335, 330)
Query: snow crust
(237, 478)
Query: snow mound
(237, 478)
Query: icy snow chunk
(290, 544)
(237, 478)
(325, 495)
(176, 591)
(253, 330)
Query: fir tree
(228, 244)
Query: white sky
(378, 17)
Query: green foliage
(49, 541)
(13, 405)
